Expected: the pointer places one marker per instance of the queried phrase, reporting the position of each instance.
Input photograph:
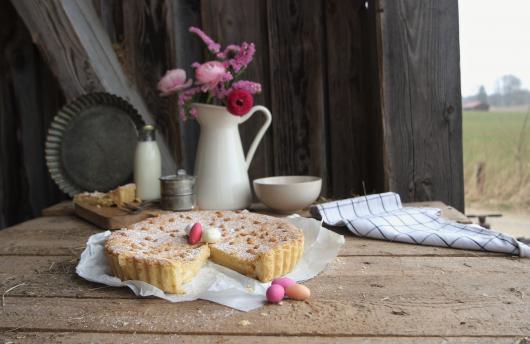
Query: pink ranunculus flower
(173, 81)
(209, 74)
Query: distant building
(476, 105)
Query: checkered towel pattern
(381, 216)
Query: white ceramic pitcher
(220, 167)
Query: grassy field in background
(497, 139)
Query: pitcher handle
(261, 132)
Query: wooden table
(375, 292)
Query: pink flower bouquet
(216, 81)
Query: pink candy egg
(275, 293)
(298, 292)
(283, 281)
(195, 234)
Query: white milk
(147, 166)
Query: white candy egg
(211, 235)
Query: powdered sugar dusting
(244, 234)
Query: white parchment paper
(217, 283)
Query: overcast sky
(494, 41)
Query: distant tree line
(508, 92)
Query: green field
(498, 140)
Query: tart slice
(258, 246)
(155, 253)
(119, 196)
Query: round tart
(156, 250)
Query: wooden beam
(422, 110)
(79, 52)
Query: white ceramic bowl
(288, 193)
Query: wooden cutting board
(112, 217)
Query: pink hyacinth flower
(173, 81)
(209, 74)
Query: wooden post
(421, 99)
(79, 52)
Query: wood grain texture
(65, 208)
(352, 85)
(376, 292)
(230, 22)
(297, 84)
(109, 217)
(359, 90)
(147, 50)
(422, 101)
(29, 98)
(54, 276)
(110, 13)
(357, 296)
(126, 338)
(185, 49)
(67, 235)
(79, 52)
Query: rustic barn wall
(29, 98)
(363, 93)
(318, 65)
(422, 99)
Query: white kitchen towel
(381, 216)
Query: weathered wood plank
(111, 14)
(31, 81)
(422, 112)
(29, 98)
(126, 338)
(68, 235)
(296, 36)
(79, 52)
(406, 279)
(353, 121)
(65, 208)
(185, 49)
(10, 178)
(355, 296)
(232, 22)
(147, 50)
(52, 236)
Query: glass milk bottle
(147, 166)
